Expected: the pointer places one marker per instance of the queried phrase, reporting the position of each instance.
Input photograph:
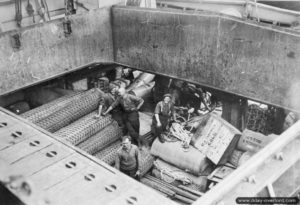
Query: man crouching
(128, 159)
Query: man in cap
(130, 104)
(106, 100)
(162, 114)
(128, 158)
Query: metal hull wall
(216, 51)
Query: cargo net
(45, 110)
(86, 103)
(83, 128)
(260, 119)
(109, 153)
(99, 141)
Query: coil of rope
(177, 131)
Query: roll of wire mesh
(109, 153)
(83, 128)
(46, 110)
(99, 141)
(86, 103)
(146, 161)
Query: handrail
(245, 170)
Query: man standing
(130, 104)
(163, 112)
(106, 100)
(128, 158)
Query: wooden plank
(40, 160)
(24, 148)
(58, 172)
(216, 51)
(145, 123)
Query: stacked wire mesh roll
(72, 118)
(76, 109)
(109, 153)
(99, 141)
(42, 112)
(84, 128)
(65, 110)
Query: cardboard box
(216, 138)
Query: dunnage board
(87, 102)
(83, 128)
(99, 141)
(45, 110)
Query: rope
(178, 132)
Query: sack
(253, 141)
(239, 157)
(172, 174)
(189, 159)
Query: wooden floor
(145, 122)
(63, 173)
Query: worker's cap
(123, 81)
(105, 79)
(168, 95)
(113, 85)
(126, 138)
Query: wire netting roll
(86, 103)
(109, 153)
(256, 119)
(99, 141)
(45, 110)
(146, 162)
(83, 128)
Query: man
(106, 100)
(128, 158)
(130, 104)
(162, 114)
